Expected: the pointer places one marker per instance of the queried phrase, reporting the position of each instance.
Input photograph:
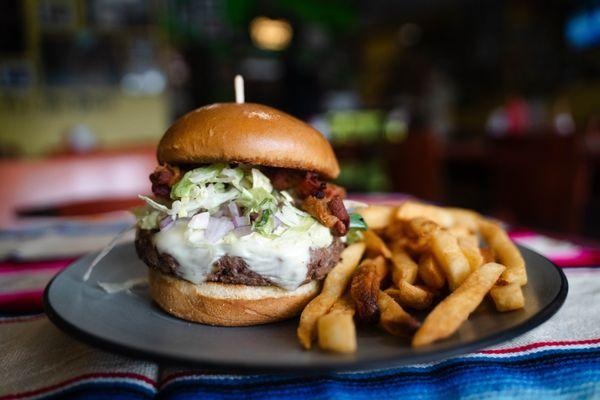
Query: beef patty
(234, 270)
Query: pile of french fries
(414, 258)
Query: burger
(243, 223)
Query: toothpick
(238, 83)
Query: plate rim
(352, 365)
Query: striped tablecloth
(560, 359)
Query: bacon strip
(283, 179)
(320, 199)
(163, 178)
(318, 208)
(330, 213)
(337, 208)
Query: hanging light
(270, 34)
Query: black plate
(129, 323)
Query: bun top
(247, 133)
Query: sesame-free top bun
(225, 304)
(250, 134)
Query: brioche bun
(247, 133)
(228, 305)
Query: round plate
(129, 322)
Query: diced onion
(217, 228)
(242, 231)
(234, 210)
(241, 221)
(199, 221)
(166, 223)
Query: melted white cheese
(283, 260)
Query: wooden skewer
(238, 84)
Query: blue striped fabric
(539, 376)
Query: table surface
(560, 359)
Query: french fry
(420, 228)
(333, 287)
(465, 235)
(506, 252)
(377, 217)
(488, 255)
(336, 330)
(459, 231)
(418, 232)
(394, 231)
(451, 312)
(375, 244)
(430, 272)
(403, 267)
(411, 296)
(393, 319)
(471, 252)
(337, 333)
(508, 297)
(344, 305)
(462, 217)
(364, 287)
(473, 239)
(412, 209)
(450, 258)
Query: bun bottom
(225, 304)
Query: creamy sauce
(283, 260)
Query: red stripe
(12, 296)
(80, 378)
(541, 344)
(30, 300)
(30, 271)
(35, 265)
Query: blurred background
(491, 106)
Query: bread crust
(228, 305)
(247, 133)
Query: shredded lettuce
(260, 181)
(154, 204)
(149, 220)
(208, 198)
(233, 176)
(205, 174)
(286, 197)
(290, 215)
(207, 188)
(354, 235)
(213, 174)
(265, 224)
(356, 228)
(357, 222)
(256, 200)
(182, 188)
